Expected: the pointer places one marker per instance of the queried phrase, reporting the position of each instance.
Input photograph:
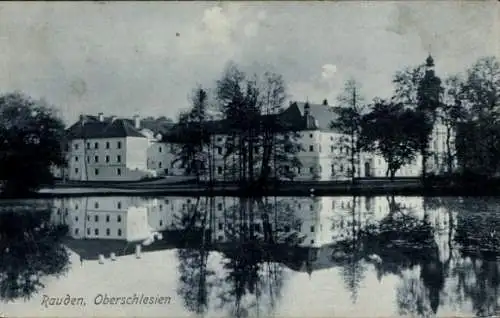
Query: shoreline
(295, 189)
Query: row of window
(96, 171)
(96, 218)
(96, 145)
(106, 158)
(96, 232)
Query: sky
(126, 58)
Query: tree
(478, 138)
(259, 141)
(452, 112)
(31, 143)
(194, 137)
(390, 132)
(349, 122)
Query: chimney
(101, 117)
(137, 122)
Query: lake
(250, 257)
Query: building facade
(115, 149)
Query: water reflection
(30, 250)
(238, 256)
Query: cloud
(217, 25)
(329, 71)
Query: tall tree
(192, 152)
(390, 132)
(349, 123)
(478, 139)
(259, 140)
(31, 143)
(429, 94)
(451, 113)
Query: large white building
(113, 149)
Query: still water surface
(261, 257)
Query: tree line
(260, 148)
(400, 128)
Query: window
(311, 148)
(312, 241)
(256, 149)
(310, 135)
(219, 207)
(161, 207)
(96, 145)
(159, 164)
(287, 228)
(76, 218)
(257, 227)
(76, 170)
(96, 231)
(311, 207)
(119, 145)
(76, 231)
(219, 150)
(119, 232)
(108, 232)
(311, 169)
(96, 205)
(88, 145)
(220, 226)
(119, 205)
(107, 144)
(107, 218)
(331, 148)
(333, 170)
(298, 170)
(76, 208)
(118, 171)
(118, 158)
(119, 218)
(107, 158)
(219, 139)
(76, 158)
(96, 172)
(96, 218)
(76, 146)
(341, 168)
(161, 223)
(219, 170)
(96, 158)
(88, 159)
(159, 149)
(88, 231)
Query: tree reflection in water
(252, 250)
(30, 249)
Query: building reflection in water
(424, 242)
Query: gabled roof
(323, 114)
(88, 127)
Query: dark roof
(291, 119)
(90, 249)
(323, 114)
(89, 127)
